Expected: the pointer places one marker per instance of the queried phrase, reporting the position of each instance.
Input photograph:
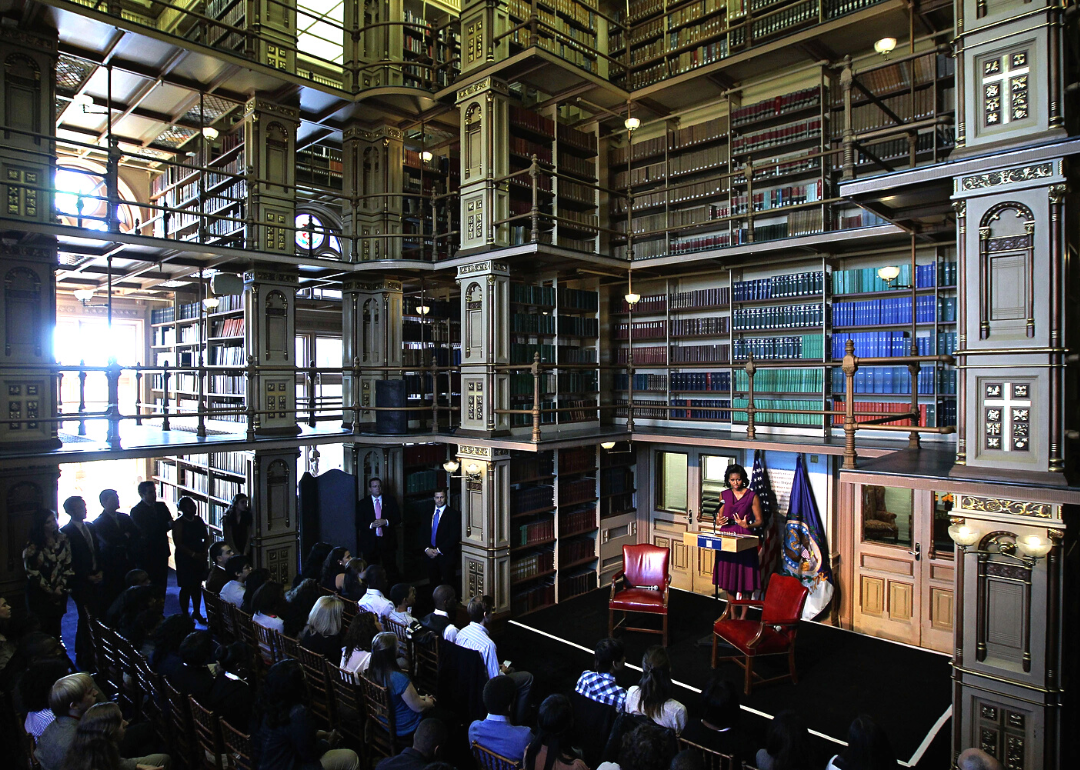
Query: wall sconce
(210, 133)
(889, 274)
(885, 46)
(472, 470)
(1026, 548)
(86, 102)
(426, 156)
(632, 124)
(609, 447)
(630, 297)
(211, 303)
(84, 295)
(608, 444)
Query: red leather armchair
(645, 589)
(774, 634)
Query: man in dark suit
(444, 540)
(377, 518)
(118, 542)
(429, 738)
(155, 523)
(442, 618)
(86, 585)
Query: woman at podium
(738, 573)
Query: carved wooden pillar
(481, 22)
(374, 181)
(273, 23)
(484, 160)
(270, 310)
(276, 518)
(1008, 654)
(270, 159)
(371, 317)
(485, 344)
(485, 524)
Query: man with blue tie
(443, 543)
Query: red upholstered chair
(645, 587)
(774, 634)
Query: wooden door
(670, 512)
(887, 591)
(938, 571)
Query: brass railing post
(751, 410)
(200, 391)
(165, 397)
(138, 394)
(312, 377)
(846, 78)
(913, 372)
(112, 373)
(82, 396)
(252, 392)
(534, 214)
(535, 369)
(356, 395)
(849, 367)
(434, 394)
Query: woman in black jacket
(322, 634)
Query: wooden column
(374, 181)
(270, 161)
(270, 313)
(485, 524)
(276, 517)
(484, 160)
(485, 344)
(371, 326)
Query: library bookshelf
(532, 531)
(211, 480)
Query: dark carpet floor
(841, 674)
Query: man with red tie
(377, 518)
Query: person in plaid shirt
(599, 685)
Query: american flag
(770, 534)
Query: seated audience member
(495, 733)
(373, 599)
(718, 729)
(286, 733)
(87, 736)
(220, 553)
(135, 578)
(646, 747)
(352, 587)
(475, 637)
(687, 759)
(167, 640)
(428, 739)
(356, 652)
(254, 582)
(268, 606)
(194, 677)
(332, 577)
(231, 697)
(403, 596)
(977, 759)
(312, 565)
(34, 687)
(322, 634)
(599, 684)
(868, 748)
(787, 744)
(440, 620)
(652, 695)
(300, 600)
(44, 660)
(142, 607)
(238, 569)
(383, 669)
(551, 749)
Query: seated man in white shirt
(373, 601)
(403, 597)
(238, 569)
(439, 621)
(475, 637)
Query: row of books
(525, 294)
(423, 481)
(764, 416)
(532, 323)
(528, 466)
(648, 304)
(576, 191)
(643, 330)
(700, 298)
(532, 121)
(576, 585)
(532, 565)
(779, 197)
(577, 491)
(522, 384)
(577, 460)
(571, 164)
(793, 285)
(643, 356)
(926, 412)
(714, 409)
(574, 355)
(698, 327)
(587, 219)
(894, 310)
(779, 105)
(522, 146)
(866, 279)
(578, 326)
(416, 357)
(896, 380)
(805, 346)
(522, 602)
(698, 133)
(682, 381)
(537, 532)
(531, 498)
(642, 382)
(616, 480)
(700, 354)
(617, 505)
(227, 355)
(786, 164)
(577, 382)
(780, 135)
(782, 380)
(779, 317)
(229, 327)
(576, 522)
(908, 106)
(902, 75)
(578, 299)
(872, 344)
(783, 20)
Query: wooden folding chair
(215, 620)
(181, 732)
(318, 682)
(405, 643)
(267, 641)
(380, 729)
(711, 760)
(238, 747)
(153, 706)
(110, 671)
(489, 760)
(348, 614)
(207, 731)
(243, 626)
(127, 655)
(286, 647)
(228, 620)
(425, 662)
(348, 703)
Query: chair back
(153, 704)
(286, 646)
(110, 671)
(425, 661)
(214, 614)
(238, 747)
(486, 759)
(228, 620)
(208, 735)
(180, 728)
(130, 694)
(710, 760)
(348, 614)
(244, 626)
(646, 565)
(400, 630)
(267, 641)
(318, 683)
(592, 725)
(380, 729)
(348, 702)
(784, 600)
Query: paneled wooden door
(903, 587)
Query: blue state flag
(806, 550)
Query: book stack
(643, 148)
(644, 356)
(647, 305)
(537, 532)
(574, 551)
(230, 327)
(779, 317)
(578, 326)
(794, 285)
(806, 346)
(704, 381)
(571, 524)
(763, 405)
(531, 121)
(699, 327)
(800, 130)
(785, 19)
(569, 587)
(532, 323)
(533, 599)
(421, 481)
(531, 499)
(642, 382)
(890, 311)
(782, 380)
(577, 299)
(891, 380)
(577, 382)
(873, 344)
(926, 412)
(525, 148)
(699, 354)
(643, 330)
(701, 409)
(700, 298)
(541, 296)
(698, 133)
(780, 105)
(531, 566)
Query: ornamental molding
(39, 43)
(483, 267)
(372, 135)
(262, 106)
(266, 276)
(360, 285)
(487, 84)
(1007, 176)
(482, 452)
(1002, 505)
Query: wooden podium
(728, 542)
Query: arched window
(315, 236)
(80, 199)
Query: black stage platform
(841, 674)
